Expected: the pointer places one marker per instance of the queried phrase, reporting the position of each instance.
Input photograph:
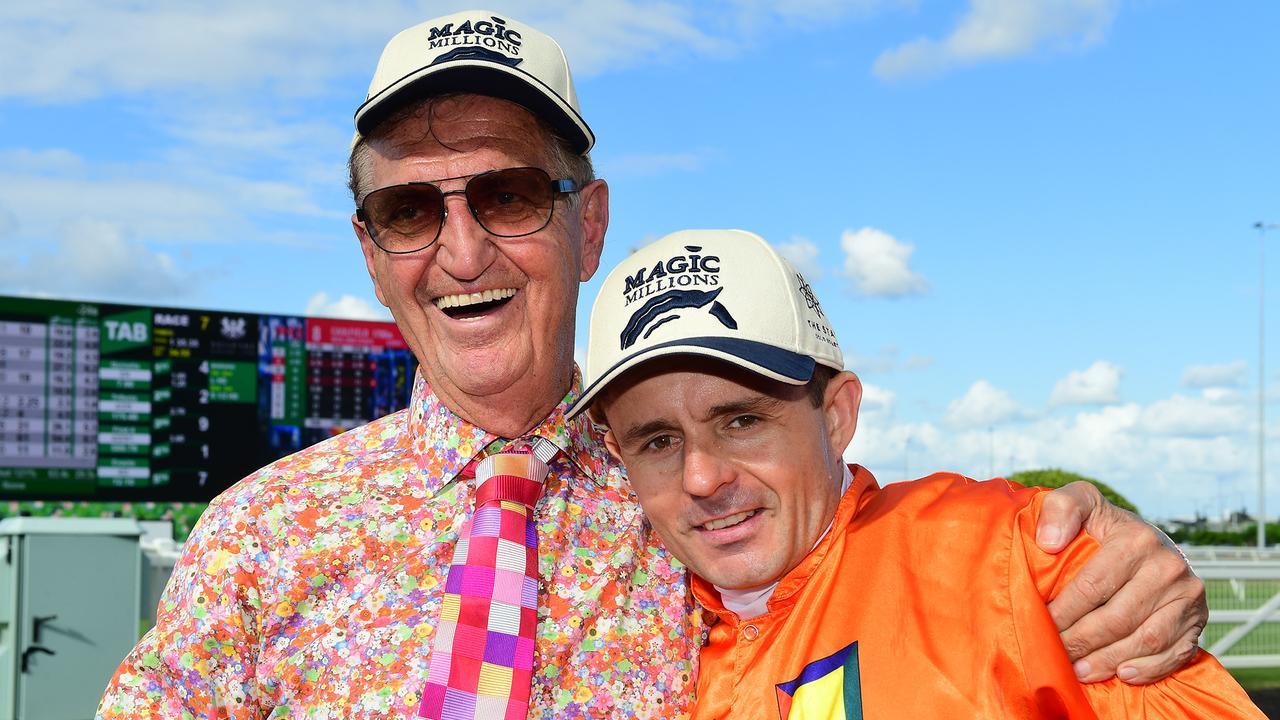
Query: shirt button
(750, 632)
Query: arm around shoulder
(1135, 609)
(1201, 689)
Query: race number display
(102, 401)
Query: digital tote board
(120, 402)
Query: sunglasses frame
(561, 186)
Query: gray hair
(564, 161)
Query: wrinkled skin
(504, 369)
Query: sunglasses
(507, 203)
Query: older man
(381, 574)
(724, 391)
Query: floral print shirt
(310, 589)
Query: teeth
(730, 521)
(475, 298)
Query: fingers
(1064, 512)
(1135, 604)
(1146, 670)
(1157, 648)
(1119, 560)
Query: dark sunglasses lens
(511, 202)
(405, 215)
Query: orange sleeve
(1202, 689)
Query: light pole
(1262, 229)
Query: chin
(745, 579)
(483, 371)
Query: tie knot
(515, 476)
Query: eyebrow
(757, 404)
(635, 433)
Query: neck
(512, 412)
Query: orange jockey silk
(927, 600)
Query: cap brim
(479, 77)
(767, 360)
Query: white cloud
(348, 307)
(169, 202)
(1163, 474)
(95, 259)
(60, 51)
(803, 253)
(917, 362)
(885, 360)
(802, 11)
(75, 49)
(1222, 396)
(604, 35)
(609, 34)
(1099, 384)
(880, 264)
(999, 29)
(1173, 456)
(982, 405)
(877, 401)
(1192, 416)
(1223, 375)
(149, 208)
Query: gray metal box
(69, 611)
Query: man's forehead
(461, 123)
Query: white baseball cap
(724, 294)
(480, 52)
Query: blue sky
(1031, 221)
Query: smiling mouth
(728, 521)
(475, 304)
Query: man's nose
(705, 470)
(466, 249)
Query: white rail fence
(1243, 592)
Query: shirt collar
(443, 442)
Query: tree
(1054, 478)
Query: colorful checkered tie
(481, 665)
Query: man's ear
(368, 248)
(611, 443)
(594, 208)
(840, 408)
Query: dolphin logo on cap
(667, 302)
(477, 53)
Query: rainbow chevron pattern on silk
(824, 689)
(481, 665)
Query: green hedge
(1054, 478)
(183, 515)
(1248, 535)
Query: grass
(1256, 592)
(1257, 678)
(1247, 595)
